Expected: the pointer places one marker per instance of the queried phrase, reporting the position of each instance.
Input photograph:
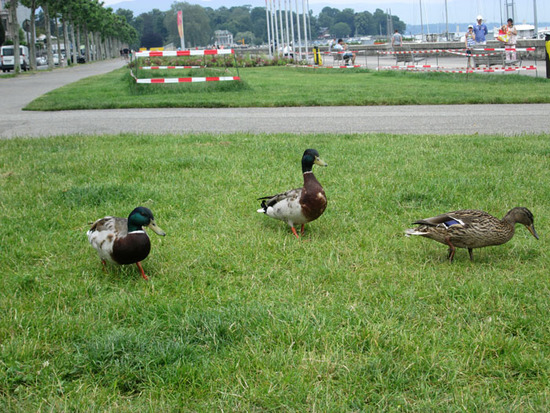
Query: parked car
(7, 61)
(79, 59)
(41, 61)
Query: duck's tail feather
(413, 231)
(263, 209)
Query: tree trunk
(78, 39)
(48, 35)
(74, 48)
(87, 42)
(59, 57)
(66, 40)
(98, 46)
(15, 36)
(32, 46)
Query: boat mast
(421, 24)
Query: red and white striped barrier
(172, 53)
(170, 67)
(188, 79)
(455, 51)
(394, 52)
(474, 54)
(507, 49)
(331, 67)
(429, 68)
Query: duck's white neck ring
(308, 172)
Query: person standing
(510, 45)
(397, 39)
(469, 42)
(480, 31)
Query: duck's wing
(114, 225)
(292, 195)
(443, 219)
(464, 217)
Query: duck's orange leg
(302, 230)
(452, 249)
(295, 233)
(141, 270)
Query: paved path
(15, 93)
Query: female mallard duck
(301, 205)
(123, 241)
(470, 228)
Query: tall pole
(299, 29)
(547, 43)
(309, 23)
(292, 25)
(510, 9)
(276, 39)
(446, 22)
(267, 19)
(180, 29)
(536, 20)
(282, 44)
(287, 27)
(421, 24)
(305, 25)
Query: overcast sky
(459, 11)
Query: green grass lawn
(287, 86)
(238, 315)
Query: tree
(259, 24)
(341, 30)
(247, 37)
(346, 16)
(128, 15)
(327, 17)
(150, 39)
(15, 36)
(2, 33)
(196, 25)
(31, 4)
(44, 4)
(364, 23)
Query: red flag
(180, 23)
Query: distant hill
(144, 6)
(457, 27)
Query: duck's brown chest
(313, 200)
(132, 248)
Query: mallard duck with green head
(124, 241)
(470, 228)
(301, 205)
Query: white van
(7, 60)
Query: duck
(301, 205)
(471, 228)
(123, 241)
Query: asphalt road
(17, 92)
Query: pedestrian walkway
(26, 87)
(414, 119)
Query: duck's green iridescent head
(143, 217)
(310, 157)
